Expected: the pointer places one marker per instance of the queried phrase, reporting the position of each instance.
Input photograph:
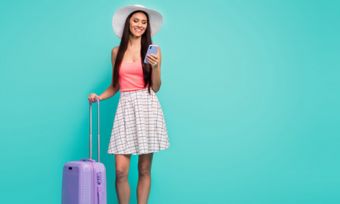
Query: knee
(121, 175)
(144, 172)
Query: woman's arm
(110, 91)
(156, 71)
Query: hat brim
(119, 18)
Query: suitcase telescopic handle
(98, 125)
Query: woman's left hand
(153, 60)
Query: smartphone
(152, 49)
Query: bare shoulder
(114, 55)
(114, 52)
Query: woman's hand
(153, 60)
(93, 97)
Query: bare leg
(144, 178)
(122, 172)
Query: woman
(139, 127)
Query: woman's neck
(134, 42)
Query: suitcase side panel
(70, 190)
(78, 183)
(100, 183)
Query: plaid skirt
(139, 126)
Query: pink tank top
(131, 76)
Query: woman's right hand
(93, 97)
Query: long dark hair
(145, 42)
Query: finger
(153, 63)
(152, 56)
(152, 60)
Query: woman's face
(138, 24)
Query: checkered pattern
(139, 126)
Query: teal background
(250, 92)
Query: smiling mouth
(139, 30)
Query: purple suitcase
(84, 181)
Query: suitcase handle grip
(98, 125)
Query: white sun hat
(119, 17)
